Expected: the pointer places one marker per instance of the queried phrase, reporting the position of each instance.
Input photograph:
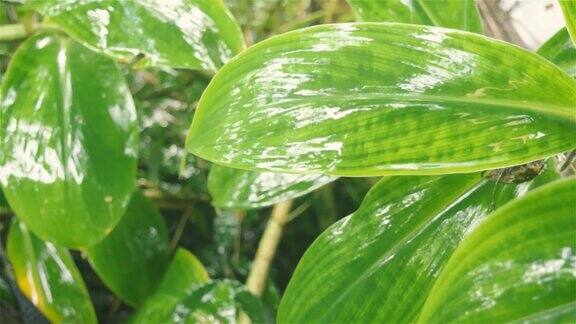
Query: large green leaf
(47, 275)
(569, 11)
(133, 257)
(421, 100)
(69, 141)
(458, 14)
(234, 188)
(195, 34)
(517, 265)
(560, 50)
(380, 263)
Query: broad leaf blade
(133, 257)
(457, 14)
(195, 34)
(560, 50)
(569, 11)
(47, 275)
(69, 141)
(380, 263)
(234, 188)
(519, 263)
(423, 100)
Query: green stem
(12, 32)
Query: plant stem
(267, 247)
(12, 32)
(179, 229)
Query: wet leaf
(195, 34)
(395, 247)
(422, 100)
(234, 188)
(559, 49)
(457, 14)
(47, 275)
(69, 141)
(133, 257)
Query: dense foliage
(209, 161)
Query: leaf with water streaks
(194, 34)
(457, 14)
(422, 100)
(397, 244)
(560, 50)
(133, 257)
(69, 141)
(234, 188)
(48, 277)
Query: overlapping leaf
(133, 257)
(422, 100)
(569, 11)
(47, 275)
(457, 14)
(69, 140)
(380, 263)
(196, 34)
(233, 188)
(560, 50)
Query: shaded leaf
(47, 275)
(559, 49)
(234, 188)
(133, 257)
(380, 263)
(69, 141)
(194, 34)
(422, 100)
(457, 14)
(569, 11)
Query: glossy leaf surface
(457, 14)
(196, 34)
(133, 257)
(48, 277)
(183, 274)
(380, 263)
(569, 11)
(234, 188)
(560, 50)
(422, 100)
(69, 140)
(517, 265)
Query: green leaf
(559, 49)
(457, 14)
(195, 34)
(184, 273)
(235, 188)
(47, 275)
(69, 140)
(569, 11)
(422, 100)
(380, 263)
(133, 257)
(517, 265)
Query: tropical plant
(116, 116)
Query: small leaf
(457, 14)
(569, 11)
(195, 34)
(517, 265)
(559, 49)
(235, 188)
(422, 100)
(133, 257)
(380, 263)
(184, 273)
(69, 140)
(47, 275)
